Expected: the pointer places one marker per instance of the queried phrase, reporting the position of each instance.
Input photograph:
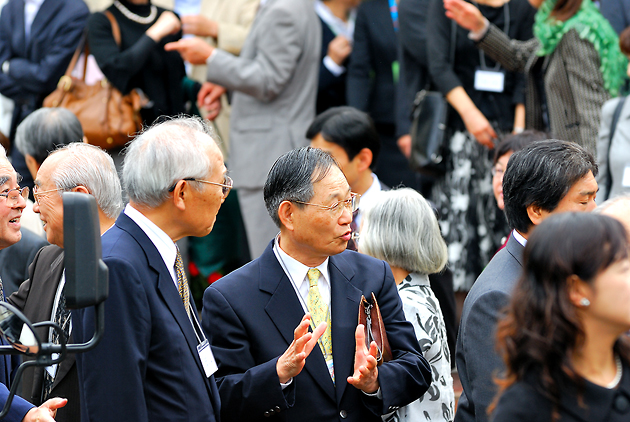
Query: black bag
(429, 144)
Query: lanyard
(393, 10)
(506, 28)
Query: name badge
(207, 358)
(625, 180)
(489, 80)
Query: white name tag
(625, 180)
(489, 80)
(207, 358)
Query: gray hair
(399, 227)
(46, 129)
(165, 153)
(89, 166)
(292, 176)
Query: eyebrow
(4, 179)
(334, 195)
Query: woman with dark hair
(573, 64)
(563, 339)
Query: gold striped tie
(319, 312)
(182, 282)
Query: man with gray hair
(43, 131)
(77, 167)
(154, 362)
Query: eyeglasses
(351, 204)
(497, 171)
(226, 186)
(37, 194)
(13, 195)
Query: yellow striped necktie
(182, 282)
(319, 312)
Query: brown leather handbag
(370, 317)
(109, 119)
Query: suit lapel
(47, 11)
(165, 286)
(19, 28)
(285, 311)
(515, 249)
(344, 301)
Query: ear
(32, 165)
(535, 214)
(181, 194)
(285, 213)
(578, 290)
(81, 189)
(364, 158)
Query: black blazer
(37, 65)
(331, 89)
(370, 77)
(250, 315)
(525, 402)
(35, 298)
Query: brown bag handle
(115, 27)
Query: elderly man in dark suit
(78, 167)
(12, 202)
(37, 39)
(544, 178)
(154, 362)
(270, 368)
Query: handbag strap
(115, 27)
(613, 128)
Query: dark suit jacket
(331, 89)
(16, 260)
(525, 401)
(35, 299)
(250, 316)
(146, 367)
(477, 361)
(37, 64)
(370, 86)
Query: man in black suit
(305, 277)
(543, 178)
(77, 167)
(37, 40)
(154, 362)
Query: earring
(585, 302)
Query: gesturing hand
(465, 14)
(46, 412)
(292, 361)
(193, 50)
(365, 376)
(209, 97)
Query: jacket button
(267, 413)
(621, 403)
(277, 409)
(343, 414)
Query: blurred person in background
(563, 339)
(613, 154)
(479, 114)
(400, 227)
(373, 73)
(573, 65)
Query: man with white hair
(12, 202)
(77, 167)
(154, 362)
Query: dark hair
(349, 128)
(46, 129)
(292, 176)
(542, 328)
(624, 41)
(565, 9)
(541, 174)
(516, 142)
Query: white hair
(165, 153)
(609, 203)
(89, 166)
(399, 227)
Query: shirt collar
(295, 269)
(164, 244)
(367, 196)
(519, 238)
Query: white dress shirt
(31, 7)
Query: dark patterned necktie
(182, 282)
(62, 318)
